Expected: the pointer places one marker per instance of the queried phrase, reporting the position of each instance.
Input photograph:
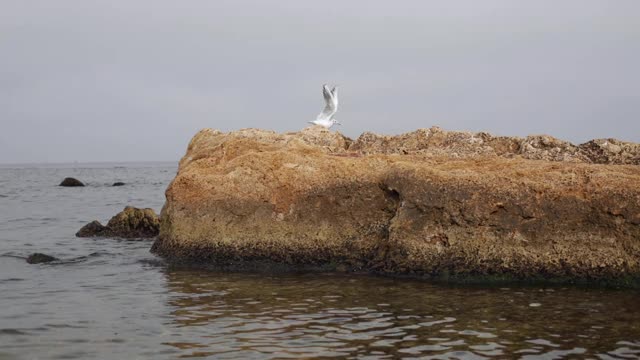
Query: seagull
(325, 118)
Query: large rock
(429, 202)
(71, 182)
(130, 223)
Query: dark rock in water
(71, 182)
(119, 183)
(39, 258)
(93, 228)
(130, 223)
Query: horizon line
(87, 162)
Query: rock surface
(94, 228)
(430, 202)
(70, 182)
(39, 258)
(457, 144)
(130, 223)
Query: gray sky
(134, 80)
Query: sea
(112, 299)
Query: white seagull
(325, 118)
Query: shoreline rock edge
(426, 203)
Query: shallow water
(111, 299)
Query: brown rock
(459, 144)
(94, 228)
(429, 202)
(611, 151)
(130, 223)
(134, 223)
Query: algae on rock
(130, 223)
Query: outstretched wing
(334, 97)
(330, 104)
(327, 94)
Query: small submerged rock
(39, 258)
(70, 182)
(130, 223)
(118, 183)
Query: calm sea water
(112, 299)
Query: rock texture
(456, 144)
(70, 182)
(130, 223)
(430, 202)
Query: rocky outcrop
(130, 223)
(430, 203)
(458, 144)
(94, 228)
(40, 258)
(611, 151)
(71, 182)
(118, 183)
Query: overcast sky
(134, 80)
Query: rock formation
(94, 228)
(130, 223)
(429, 203)
(457, 144)
(39, 258)
(70, 182)
(118, 183)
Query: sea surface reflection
(308, 316)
